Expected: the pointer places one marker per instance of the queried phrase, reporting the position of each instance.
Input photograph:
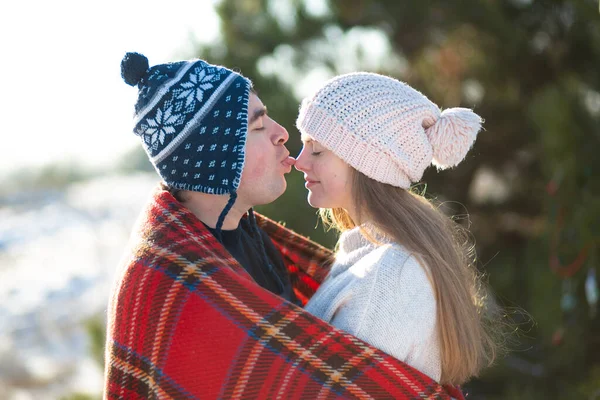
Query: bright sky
(62, 95)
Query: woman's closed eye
(316, 150)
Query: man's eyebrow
(261, 112)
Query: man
(196, 315)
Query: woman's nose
(301, 164)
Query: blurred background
(73, 177)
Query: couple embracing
(217, 301)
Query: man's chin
(272, 195)
(281, 191)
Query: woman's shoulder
(394, 263)
(375, 247)
(390, 254)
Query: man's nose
(282, 134)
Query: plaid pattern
(307, 262)
(187, 322)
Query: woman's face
(327, 177)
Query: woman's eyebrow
(305, 139)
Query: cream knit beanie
(386, 129)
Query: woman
(402, 279)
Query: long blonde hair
(467, 336)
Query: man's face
(267, 158)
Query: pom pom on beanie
(133, 68)
(452, 135)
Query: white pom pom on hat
(386, 129)
(452, 136)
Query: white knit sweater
(382, 295)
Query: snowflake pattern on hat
(194, 89)
(155, 130)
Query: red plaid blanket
(186, 321)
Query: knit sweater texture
(382, 295)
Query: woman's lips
(310, 183)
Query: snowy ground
(58, 254)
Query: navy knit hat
(192, 118)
